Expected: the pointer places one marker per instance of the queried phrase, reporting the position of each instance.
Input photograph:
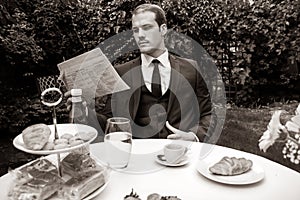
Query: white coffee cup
(174, 153)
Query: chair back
(45, 82)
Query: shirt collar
(163, 59)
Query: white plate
(61, 129)
(184, 161)
(255, 174)
(96, 192)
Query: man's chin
(145, 50)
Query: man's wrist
(86, 111)
(196, 139)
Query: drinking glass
(118, 142)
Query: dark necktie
(155, 85)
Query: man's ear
(163, 29)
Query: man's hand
(180, 135)
(69, 101)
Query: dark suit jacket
(189, 105)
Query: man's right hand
(69, 101)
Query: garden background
(255, 46)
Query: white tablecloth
(145, 176)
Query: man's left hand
(180, 135)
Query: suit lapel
(174, 81)
(137, 82)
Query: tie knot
(155, 61)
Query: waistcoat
(151, 115)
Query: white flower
(272, 133)
(297, 111)
(293, 124)
(290, 134)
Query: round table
(146, 176)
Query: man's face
(148, 35)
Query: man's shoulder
(124, 67)
(183, 59)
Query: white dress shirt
(164, 70)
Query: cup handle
(182, 155)
(185, 150)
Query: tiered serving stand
(56, 131)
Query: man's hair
(160, 16)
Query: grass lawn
(243, 127)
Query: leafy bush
(267, 35)
(35, 35)
(20, 109)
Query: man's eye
(135, 30)
(147, 28)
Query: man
(168, 98)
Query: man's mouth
(143, 43)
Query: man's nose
(141, 33)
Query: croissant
(36, 136)
(231, 166)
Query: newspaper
(93, 73)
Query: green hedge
(38, 34)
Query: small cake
(49, 146)
(61, 141)
(66, 136)
(75, 163)
(83, 184)
(61, 146)
(37, 180)
(86, 136)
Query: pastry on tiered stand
(42, 179)
(36, 136)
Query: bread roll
(74, 138)
(36, 136)
(61, 141)
(76, 142)
(66, 136)
(49, 146)
(86, 136)
(61, 146)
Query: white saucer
(184, 161)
